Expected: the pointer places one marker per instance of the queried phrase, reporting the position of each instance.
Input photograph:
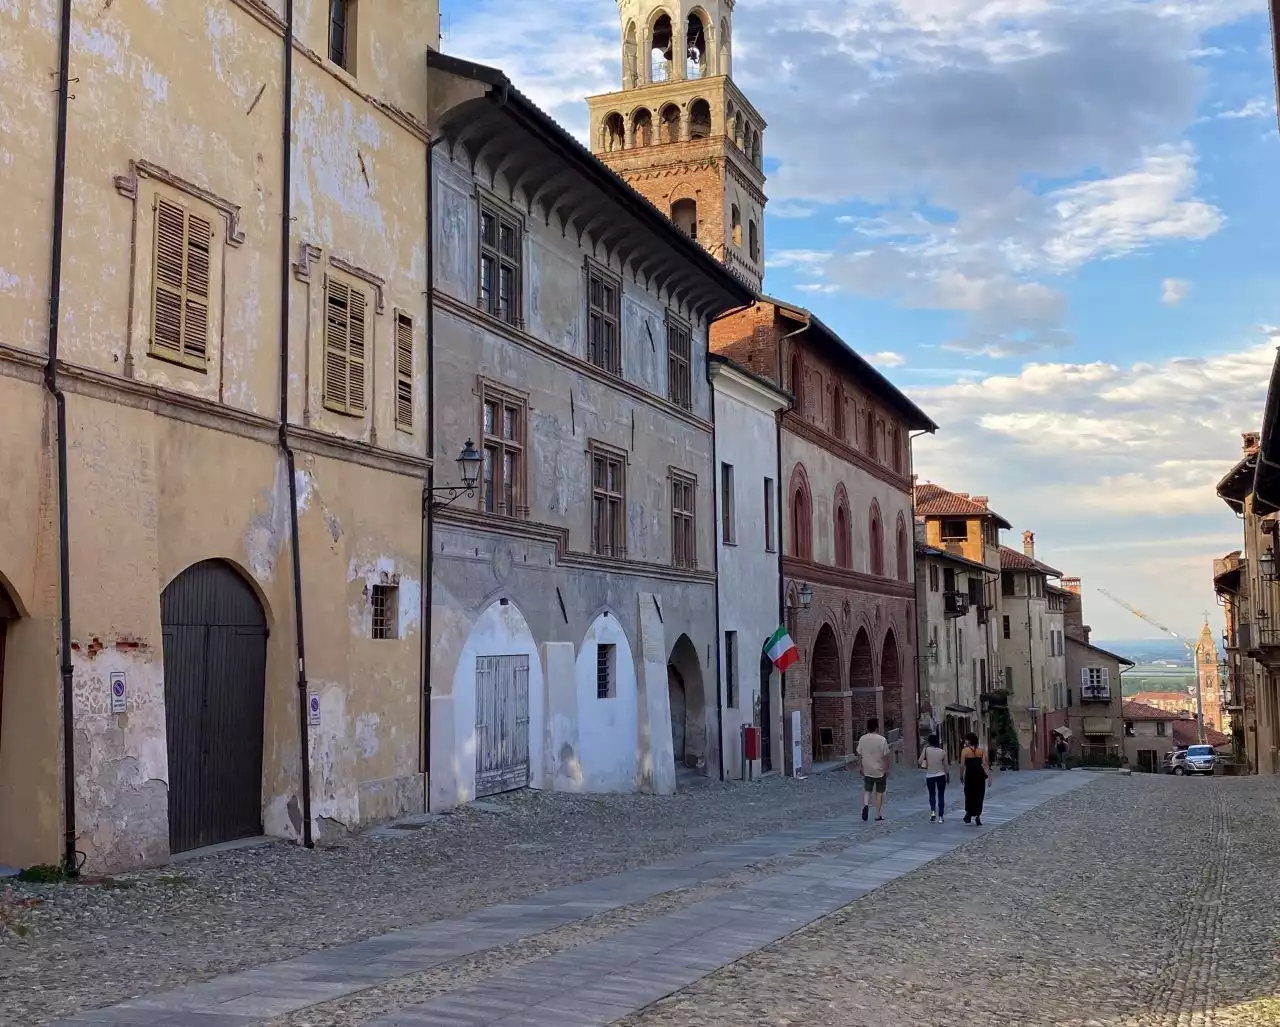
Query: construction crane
(1195, 661)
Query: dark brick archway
(826, 688)
(891, 683)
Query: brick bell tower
(681, 133)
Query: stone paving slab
(600, 981)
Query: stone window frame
(607, 454)
(504, 215)
(593, 271)
(684, 519)
(679, 360)
(504, 398)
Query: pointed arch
(891, 683)
(630, 57)
(697, 44)
(725, 49)
(875, 540)
(837, 413)
(797, 381)
(613, 133)
(661, 54)
(904, 549)
(735, 220)
(642, 127)
(869, 432)
(800, 515)
(825, 678)
(842, 528)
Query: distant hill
(1147, 651)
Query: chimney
(1250, 440)
(963, 495)
(1029, 544)
(1087, 632)
(982, 501)
(1071, 585)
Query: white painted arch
(608, 729)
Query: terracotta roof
(924, 549)
(1149, 697)
(935, 501)
(1012, 560)
(1185, 733)
(1141, 711)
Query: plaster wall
(609, 729)
(170, 465)
(747, 439)
(954, 674)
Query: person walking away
(976, 771)
(1062, 753)
(873, 759)
(933, 761)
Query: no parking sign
(313, 710)
(117, 691)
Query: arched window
(736, 222)
(613, 133)
(837, 414)
(697, 60)
(797, 383)
(882, 442)
(756, 154)
(630, 58)
(662, 40)
(869, 428)
(724, 48)
(875, 541)
(699, 119)
(740, 133)
(895, 442)
(800, 514)
(670, 124)
(753, 235)
(843, 541)
(641, 127)
(903, 550)
(685, 214)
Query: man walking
(873, 759)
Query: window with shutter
(344, 347)
(181, 286)
(679, 363)
(404, 371)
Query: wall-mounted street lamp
(468, 461)
(932, 649)
(806, 596)
(1267, 563)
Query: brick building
(846, 525)
(682, 133)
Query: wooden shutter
(181, 283)
(1084, 679)
(344, 347)
(404, 371)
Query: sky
(1048, 221)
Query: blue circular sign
(117, 688)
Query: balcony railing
(956, 604)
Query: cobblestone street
(1085, 900)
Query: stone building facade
(206, 507)
(747, 415)
(573, 594)
(846, 528)
(681, 131)
(953, 646)
(1032, 647)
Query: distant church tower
(680, 131)
(1211, 681)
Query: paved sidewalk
(598, 982)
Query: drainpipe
(782, 581)
(286, 228)
(69, 853)
(428, 522)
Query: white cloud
(887, 358)
(1174, 290)
(1255, 108)
(1101, 460)
(812, 261)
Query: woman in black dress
(975, 771)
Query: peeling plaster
(383, 570)
(269, 532)
(9, 281)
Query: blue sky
(1050, 221)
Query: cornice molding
(798, 426)
(839, 577)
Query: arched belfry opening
(697, 59)
(630, 58)
(662, 41)
(699, 119)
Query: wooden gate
(215, 661)
(766, 715)
(502, 723)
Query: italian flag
(781, 650)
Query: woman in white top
(933, 761)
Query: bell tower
(681, 132)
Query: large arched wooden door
(215, 663)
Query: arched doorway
(824, 686)
(891, 684)
(766, 712)
(215, 677)
(862, 681)
(688, 705)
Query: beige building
(1032, 646)
(1247, 581)
(214, 424)
(1148, 736)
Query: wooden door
(502, 724)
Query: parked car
(1195, 759)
